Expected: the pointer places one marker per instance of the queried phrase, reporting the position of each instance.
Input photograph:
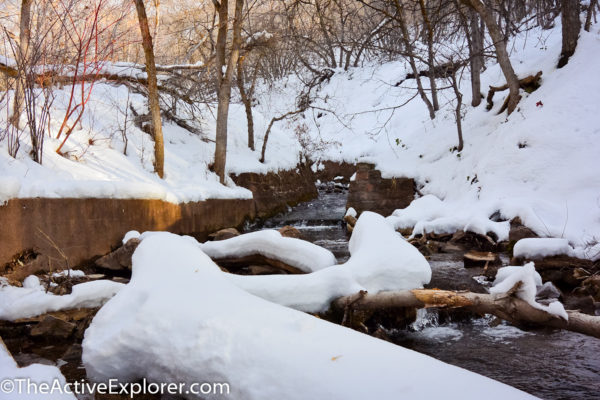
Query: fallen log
(529, 84)
(505, 306)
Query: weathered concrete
(370, 192)
(84, 229)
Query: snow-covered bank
(540, 163)
(219, 333)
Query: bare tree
(590, 12)
(501, 53)
(159, 150)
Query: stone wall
(87, 228)
(370, 192)
(274, 192)
(332, 169)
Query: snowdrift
(217, 332)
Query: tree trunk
(247, 100)
(159, 147)
(411, 58)
(501, 52)
(591, 11)
(224, 93)
(458, 115)
(430, 55)
(24, 39)
(571, 25)
(476, 57)
(505, 306)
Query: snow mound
(219, 333)
(32, 299)
(507, 278)
(380, 259)
(424, 208)
(535, 248)
(298, 253)
(38, 373)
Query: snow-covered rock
(298, 253)
(193, 325)
(380, 259)
(507, 278)
(536, 248)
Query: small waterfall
(426, 318)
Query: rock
(223, 234)
(350, 220)
(519, 231)
(34, 266)
(591, 286)
(54, 327)
(451, 248)
(473, 241)
(547, 291)
(120, 258)
(562, 270)
(73, 353)
(481, 259)
(349, 227)
(290, 231)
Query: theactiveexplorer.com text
(112, 387)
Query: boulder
(290, 231)
(519, 231)
(51, 326)
(223, 234)
(120, 258)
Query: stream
(550, 364)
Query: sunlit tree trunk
(224, 78)
(159, 148)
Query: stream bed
(550, 364)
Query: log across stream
(551, 364)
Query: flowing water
(547, 363)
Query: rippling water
(548, 364)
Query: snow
(38, 373)
(351, 212)
(380, 259)
(217, 332)
(539, 163)
(298, 253)
(535, 248)
(32, 299)
(130, 235)
(507, 278)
